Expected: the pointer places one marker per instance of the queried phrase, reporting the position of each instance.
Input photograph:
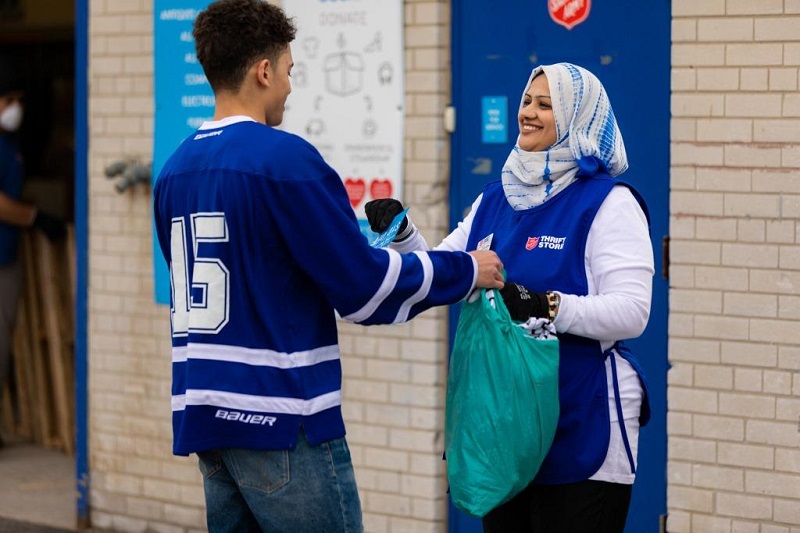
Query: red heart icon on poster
(380, 189)
(355, 190)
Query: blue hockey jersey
(263, 246)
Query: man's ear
(264, 72)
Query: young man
(263, 248)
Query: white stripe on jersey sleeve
(422, 292)
(386, 288)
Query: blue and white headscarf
(587, 136)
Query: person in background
(14, 214)
(263, 249)
(576, 247)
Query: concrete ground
(37, 489)
(12, 526)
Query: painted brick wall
(734, 463)
(136, 484)
(394, 380)
(734, 386)
(394, 376)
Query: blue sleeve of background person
(310, 205)
(4, 161)
(8, 162)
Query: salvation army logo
(569, 13)
(532, 242)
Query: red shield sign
(532, 242)
(569, 13)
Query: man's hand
(380, 214)
(490, 269)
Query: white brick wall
(734, 419)
(394, 397)
(135, 483)
(394, 376)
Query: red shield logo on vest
(532, 242)
(569, 13)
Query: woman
(575, 244)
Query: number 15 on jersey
(200, 297)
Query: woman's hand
(523, 304)
(380, 214)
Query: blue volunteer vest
(543, 249)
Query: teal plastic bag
(502, 406)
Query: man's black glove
(523, 304)
(54, 228)
(380, 214)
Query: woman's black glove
(53, 227)
(523, 304)
(380, 214)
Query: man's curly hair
(231, 35)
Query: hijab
(587, 139)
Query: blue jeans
(307, 489)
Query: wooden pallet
(42, 406)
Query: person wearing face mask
(14, 214)
(576, 248)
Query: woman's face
(537, 126)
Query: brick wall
(734, 386)
(734, 421)
(394, 376)
(136, 483)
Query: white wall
(734, 387)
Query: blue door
(627, 45)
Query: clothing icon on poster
(376, 45)
(344, 73)
(385, 73)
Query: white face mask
(11, 117)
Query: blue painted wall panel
(628, 47)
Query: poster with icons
(182, 96)
(347, 92)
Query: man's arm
(25, 215)
(309, 205)
(15, 212)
